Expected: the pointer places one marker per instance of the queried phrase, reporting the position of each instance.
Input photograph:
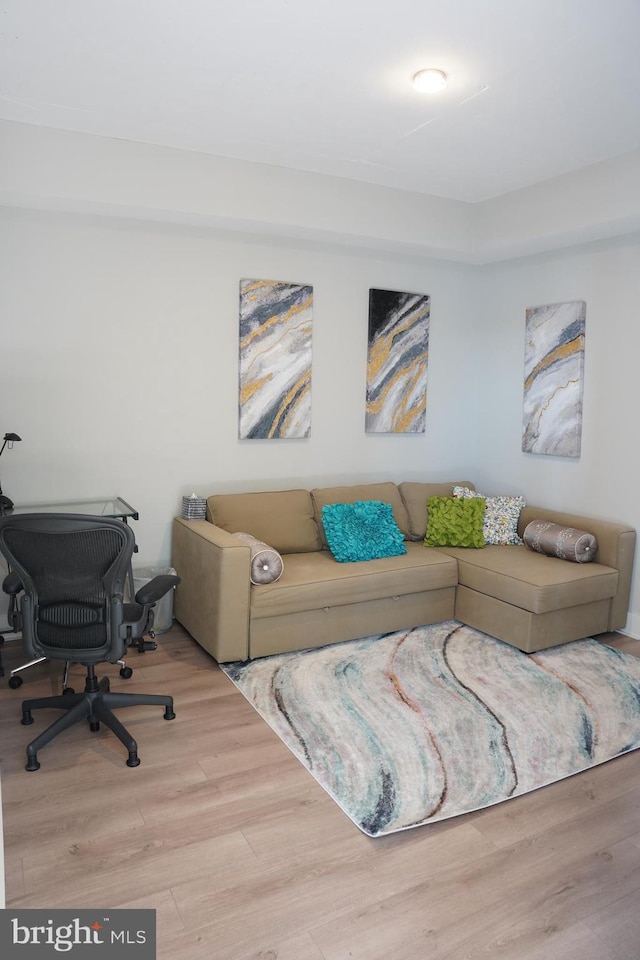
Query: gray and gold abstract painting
(397, 356)
(553, 379)
(275, 359)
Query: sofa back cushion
(415, 496)
(283, 518)
(385, 492)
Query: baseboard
(632, 626)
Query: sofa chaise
(522, 597)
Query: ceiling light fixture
(430, 80)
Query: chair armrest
(12, 584)
(155, 589)
(213, 599)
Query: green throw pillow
(364, 530)
(455, 522)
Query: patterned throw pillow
(455, 522)
(501, 515)
(567, 543)
(364, 530)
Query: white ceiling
(537, 88)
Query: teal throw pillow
(455, 522)
(364, 530)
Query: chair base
(95, 704)
(16, 681)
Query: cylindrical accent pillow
(266, 563)
(558, 541)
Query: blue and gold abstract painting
(397, 356)
(275, 359)
(553, 379)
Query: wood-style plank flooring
(244, 856)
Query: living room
(120, 271)
(128, 328)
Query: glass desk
(114, 507)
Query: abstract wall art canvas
(553, 379)
(397, 357)
(275, 359)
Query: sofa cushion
(313, 581)
(364, 530)
(531, 580)
(283, 518)
(415, 496)
(386, 492)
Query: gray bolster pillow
(266, 563)
(558, 541)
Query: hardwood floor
(245, 857)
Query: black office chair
(73, 570)
(12, 586)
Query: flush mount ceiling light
(430, 80)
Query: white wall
(595, 203)
(602, 481)
(56, 169)
(120, 350)
(44, 168)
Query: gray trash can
(163, 610)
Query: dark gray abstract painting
(397, 357)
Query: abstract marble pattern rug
(418, 726)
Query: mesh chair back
(73, 571)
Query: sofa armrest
(616, 548)
(213, 598)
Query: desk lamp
(5, 503)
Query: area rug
(410, 728)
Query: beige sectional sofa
(525, 598)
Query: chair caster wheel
(15, 682)
(26, 718)
(32, 764)
(94, 725)
(169, 714)
(134, 760)
(126, 672)
(68, 691)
